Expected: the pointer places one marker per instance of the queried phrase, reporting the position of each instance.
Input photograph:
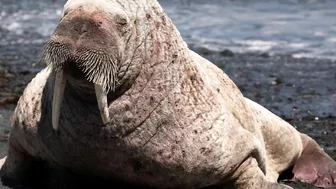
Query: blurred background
(280, 53)
(302, 28)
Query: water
(301, 28)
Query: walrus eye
(121, 20)
(65, 13)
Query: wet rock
(226, 52)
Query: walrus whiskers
(99, 68)
(55, 54)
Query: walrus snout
(91, 40)
(82, 32)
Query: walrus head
(97, 41)
(89, 48)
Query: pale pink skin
(177, 120)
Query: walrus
(124, 100)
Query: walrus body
(140, 107)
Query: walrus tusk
(102, 103)
(60, 82)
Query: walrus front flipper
(15, 168)
(314, 166)
(249, 175)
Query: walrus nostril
(85, 27)
(81, 27)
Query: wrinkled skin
(173, 119)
